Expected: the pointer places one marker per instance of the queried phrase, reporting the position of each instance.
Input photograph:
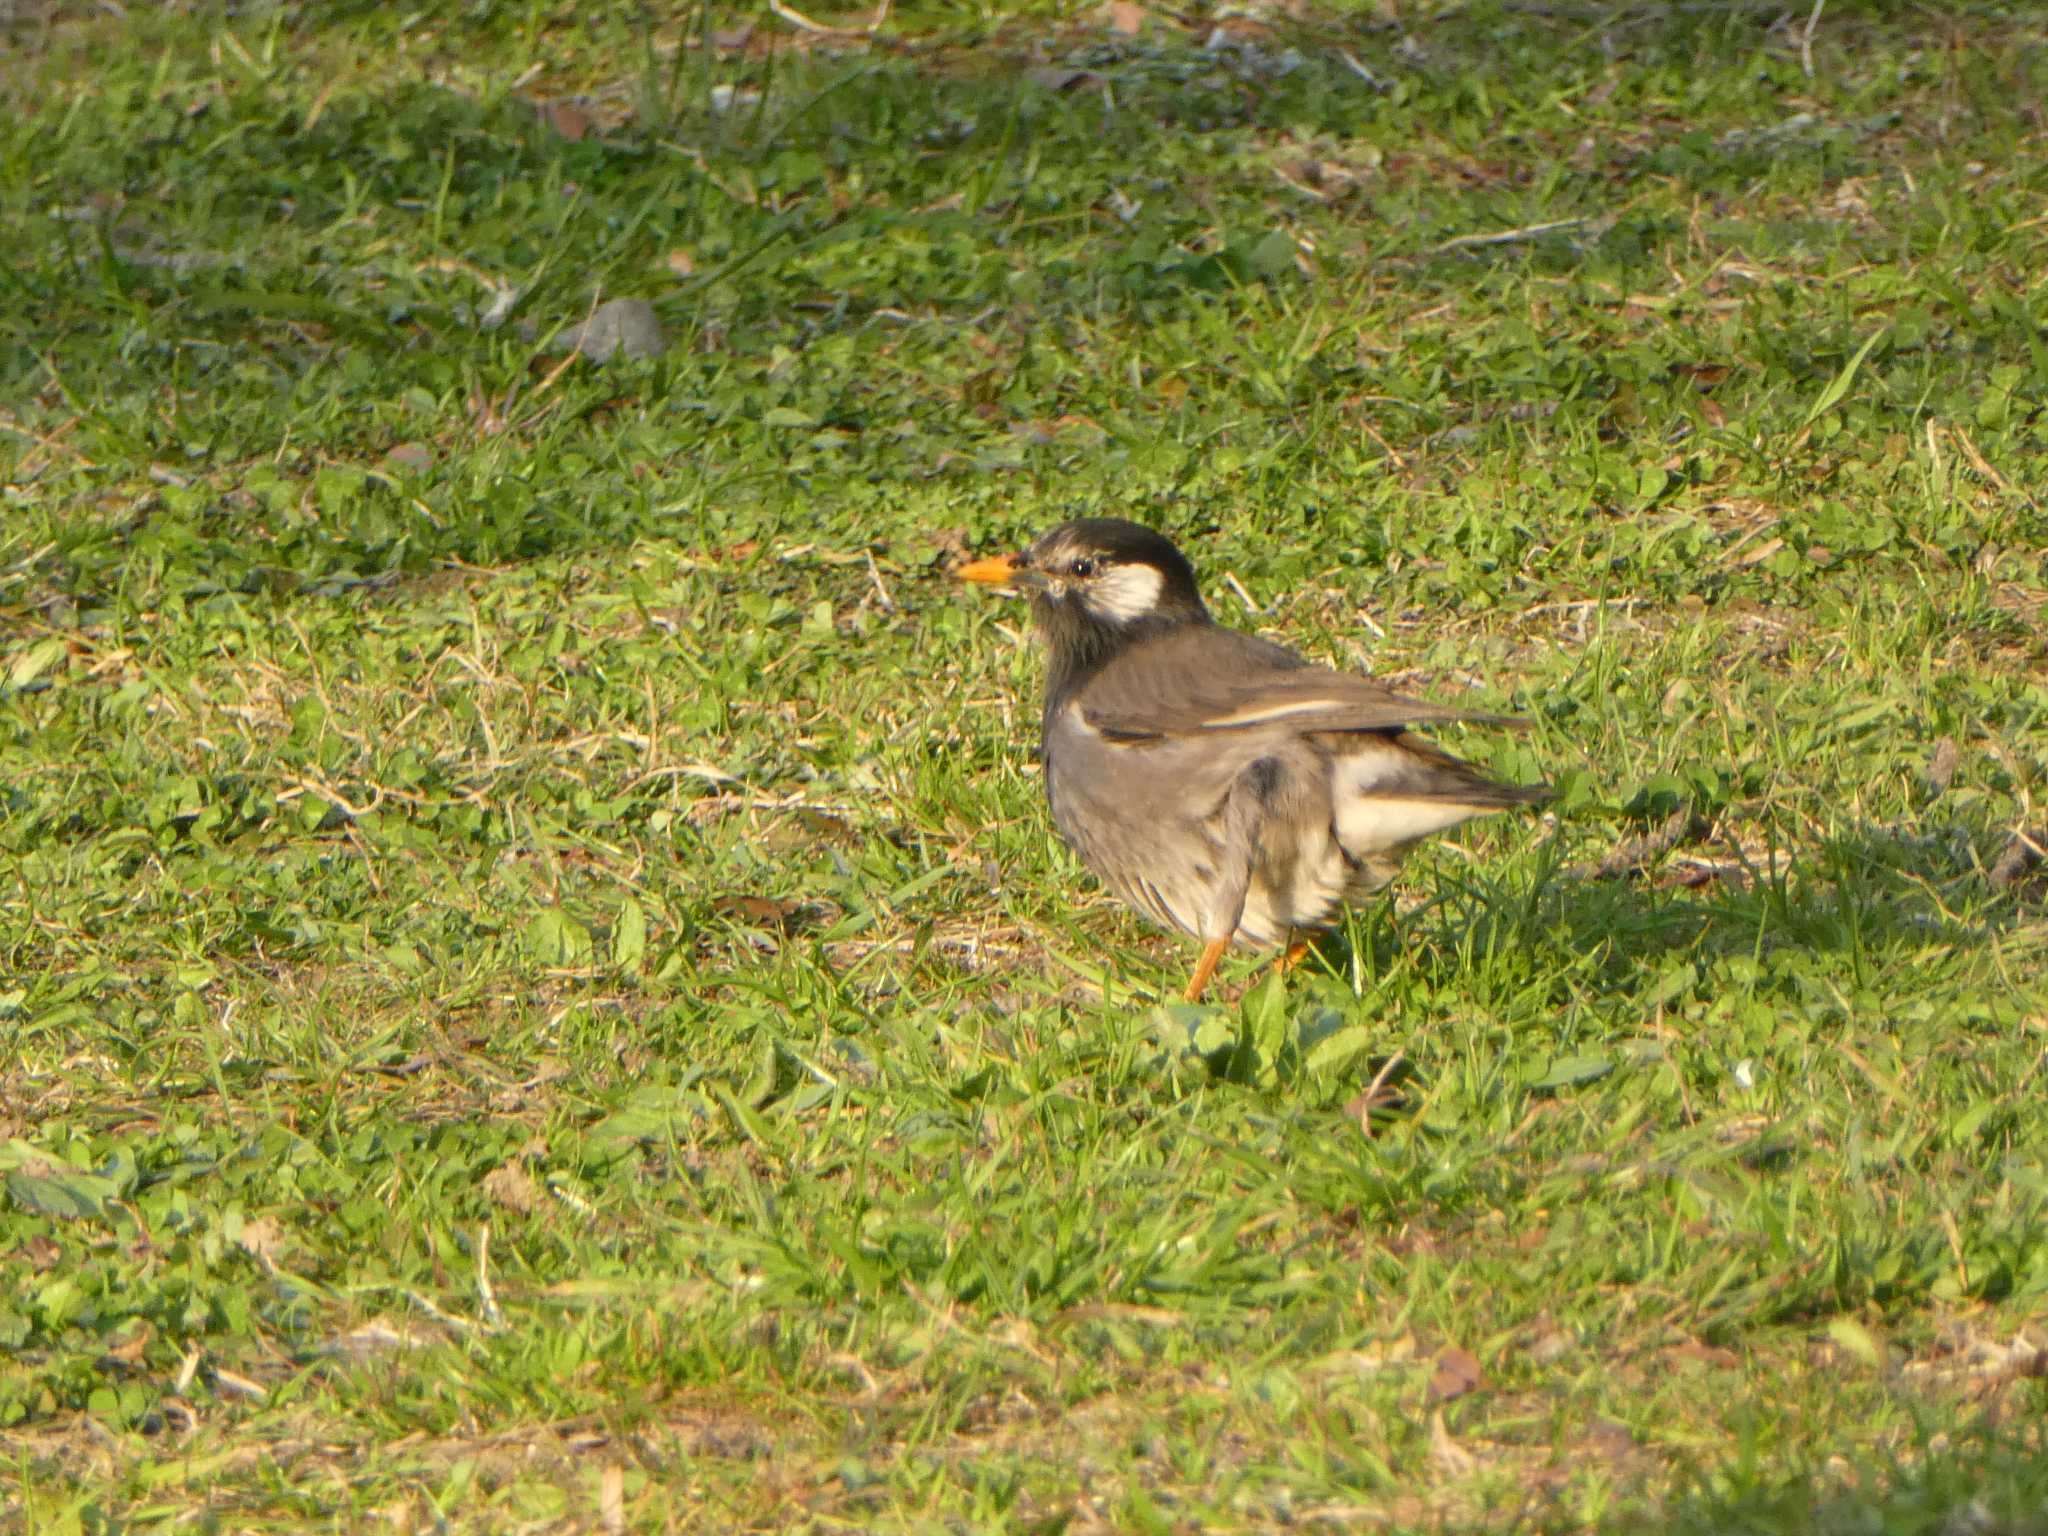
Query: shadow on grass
(1860, 900)
(1980, 1482)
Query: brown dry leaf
(824, 825)
(41, 1252)
(680, 262)
(1941, 768)
(513, 1187)
(130, 1350)
(1457, 1373)
(1756, 554)
(760, 911)
(1704, 375)
(1124, 17)
(1708, 1354)
(413, 456)
(567, 119)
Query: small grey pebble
(622, 325)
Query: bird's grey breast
(1142, 815)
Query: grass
(537, 990)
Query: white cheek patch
(1126, 593)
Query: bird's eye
(1083, 568)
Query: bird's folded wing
(1229, 681)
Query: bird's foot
(1212, 955)
(1293, 955)
(1212, 952)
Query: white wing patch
(1371, 824)
(1377, 811)
(1125, 593)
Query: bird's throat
(1079, 645)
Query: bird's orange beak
(995, 571)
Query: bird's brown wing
(1202, 680)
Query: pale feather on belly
(1313, 887)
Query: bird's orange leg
(1294, 955)
(1205, 967)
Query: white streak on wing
(1271, 712)
(1126, 593)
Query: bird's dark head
(1097, 584)
(1100, 571)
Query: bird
(1215, 781)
